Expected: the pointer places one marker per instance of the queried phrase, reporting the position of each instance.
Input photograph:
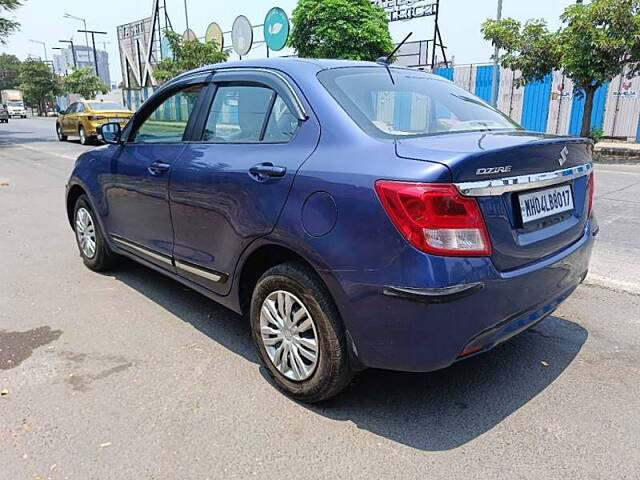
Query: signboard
(134, 39)
(215, 34)
(189, 35)
(626, 91)
(242, 35)
(165, 48)
(276, 29)
(407, 9)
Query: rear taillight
(591, 188)
(435, 217)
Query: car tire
(84, 140)
(61, 136)
(88, 232)
(309, 307)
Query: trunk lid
(476, 158)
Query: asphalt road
(130, 375)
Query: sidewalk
(621, 152)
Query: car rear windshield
(106, 106)
(401, 102)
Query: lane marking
(40, 150)
(613, 284)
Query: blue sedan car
(359, 216)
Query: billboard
(398, 10)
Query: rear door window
(238, 114)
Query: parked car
(82, 119)
(359, 216)
(4, 114)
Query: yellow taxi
(83, 118)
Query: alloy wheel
(289, 335)
(86, 232)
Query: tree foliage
(594, 44)
(7, 26)
(188, 55)
(349, 29)
(9, 71)
(84, 82)
(38, 83)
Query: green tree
(349, 29)
(594, 44)
(9, 71)
(187, 55)
(84, 82)
(7, 26)
(38, 83)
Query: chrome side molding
(139, 249)
(212, 275)
(498, 186)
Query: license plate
(544, 203)
(116, 120)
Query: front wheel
(299, 334)
(94, 250)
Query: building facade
(63, 63)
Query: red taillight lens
(435, 217)
(591, 188)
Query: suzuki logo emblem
(564, 154)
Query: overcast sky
(460, 22)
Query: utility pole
(93, 41)
(73, 51)
(496, 65)
(186, 14)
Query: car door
(68, 118)
(231, 183)
(137, 197)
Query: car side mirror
(110, 132)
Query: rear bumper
(404, 329)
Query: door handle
(158, 168)
(267, 169)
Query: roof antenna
(386, 60)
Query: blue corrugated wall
(597, 115)
(638, 132)
(445, 72)
(535, 108)
(484, 80)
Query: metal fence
(549, 106)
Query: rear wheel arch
(262, 259)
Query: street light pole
(496, 66)
(86, 36)
(44, 45)
(93, 41)
(73, 51)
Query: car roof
(290, 65)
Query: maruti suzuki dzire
(359, 215)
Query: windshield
(413, 104)
(15, 104)
(106, 106)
